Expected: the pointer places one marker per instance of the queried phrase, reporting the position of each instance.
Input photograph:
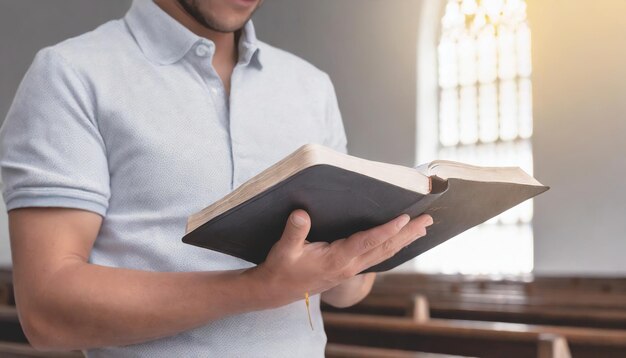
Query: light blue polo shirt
(132, 122)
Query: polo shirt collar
(165, 41)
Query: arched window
(484, 118)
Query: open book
(344, 194)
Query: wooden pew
(22, 350)
(10, 328)
(586, 302)
(13, 341)
(521, 282)
(436, 336)
(531, 286)
(6, 288)
(334, 350)
(445, 336)
(416, 307)
(485, 311)
(551, 298)
(559, 316)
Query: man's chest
(176, 138)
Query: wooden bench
(23, 350)
(484, 311)
(560, 316)
(598, 292)
(583, 342)
(522, 282)
(13, 342)
(443, 336)
(6, 288)
(334, 350)
(10, 328)
(553, 298)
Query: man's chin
(226, 27)
(238, 12)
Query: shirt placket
(204, 51)
(236, 136)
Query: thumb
(296, 230)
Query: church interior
(528, 83)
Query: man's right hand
(295, 266)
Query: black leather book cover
(341, 202)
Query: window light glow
(485, 118)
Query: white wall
(579, 83)
(368, 47)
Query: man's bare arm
(65, 302)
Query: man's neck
(226, 50)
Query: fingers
(296, 230)
(364, 241)
(415, 229)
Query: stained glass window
(485, 118)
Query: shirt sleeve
(51, 151)
(336, 135)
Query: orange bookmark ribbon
(308, 311)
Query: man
(116, 136)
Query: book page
(446, 169)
